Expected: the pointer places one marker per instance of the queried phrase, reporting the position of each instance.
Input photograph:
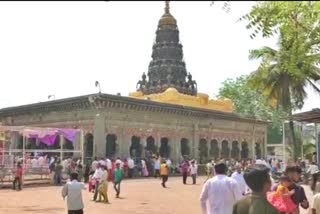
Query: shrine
(165, 115)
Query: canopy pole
(82, 146)
(23, 156)
(61, 146)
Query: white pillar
(253, 143)
(195, 143)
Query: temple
(165, 115)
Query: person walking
(73, 191)
(58, 173)
(17, 177)
(118, 176)
(97, 177)
(238, 176)
(219, 193)
(184, 169)
(164, 171)
(103, 187)
(209, 170)
(157, 167)
(193, 171)
(258, 179)
(130, 167)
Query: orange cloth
(163, 169)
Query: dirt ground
(141, 196)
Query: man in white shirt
(73, 191)
(193, 171)
(131, 167)
(169, 163)
(313, 168)
(109, 164)
(97, 176)
(238, 176)
(221, 192)
(157, 167)
(94, 164)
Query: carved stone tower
(167, 68)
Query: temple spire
(167, 68)
(167, 8)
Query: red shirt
(18, 172)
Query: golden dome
(167, 18)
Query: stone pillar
(195, 142)
(157, 141)
(99, 135)
(220, 147)
(125, 145)
(143, 145)
(209, 147)
(177, 149)
(61, 146)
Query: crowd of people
(246, 186)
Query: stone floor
(140, 196)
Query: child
(118, 176)
(193, 171)
(164, 173)
(281, 198)
(17, 177)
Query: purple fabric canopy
(48, 136)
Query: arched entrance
(88, 146)
(214, 149)
(31, 143)
(164, 149)
(244, 150)
(111, 145)
(20, 143)
(235, 151)
(225, 151)
(151, 146)
(258, 150)
(203, 150)
(136, 147)
(184, 145)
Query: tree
(252, 103)
(284, 73)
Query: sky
(62, 48)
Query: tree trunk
(292, 138)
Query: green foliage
(252, 103)
(284, 73)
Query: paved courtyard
(140, 196)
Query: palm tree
(283, 76)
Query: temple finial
(167, 8)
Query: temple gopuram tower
(167, 68)
(167, 80)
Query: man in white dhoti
(220, 192)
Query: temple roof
(167, 68)
(108, 101)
